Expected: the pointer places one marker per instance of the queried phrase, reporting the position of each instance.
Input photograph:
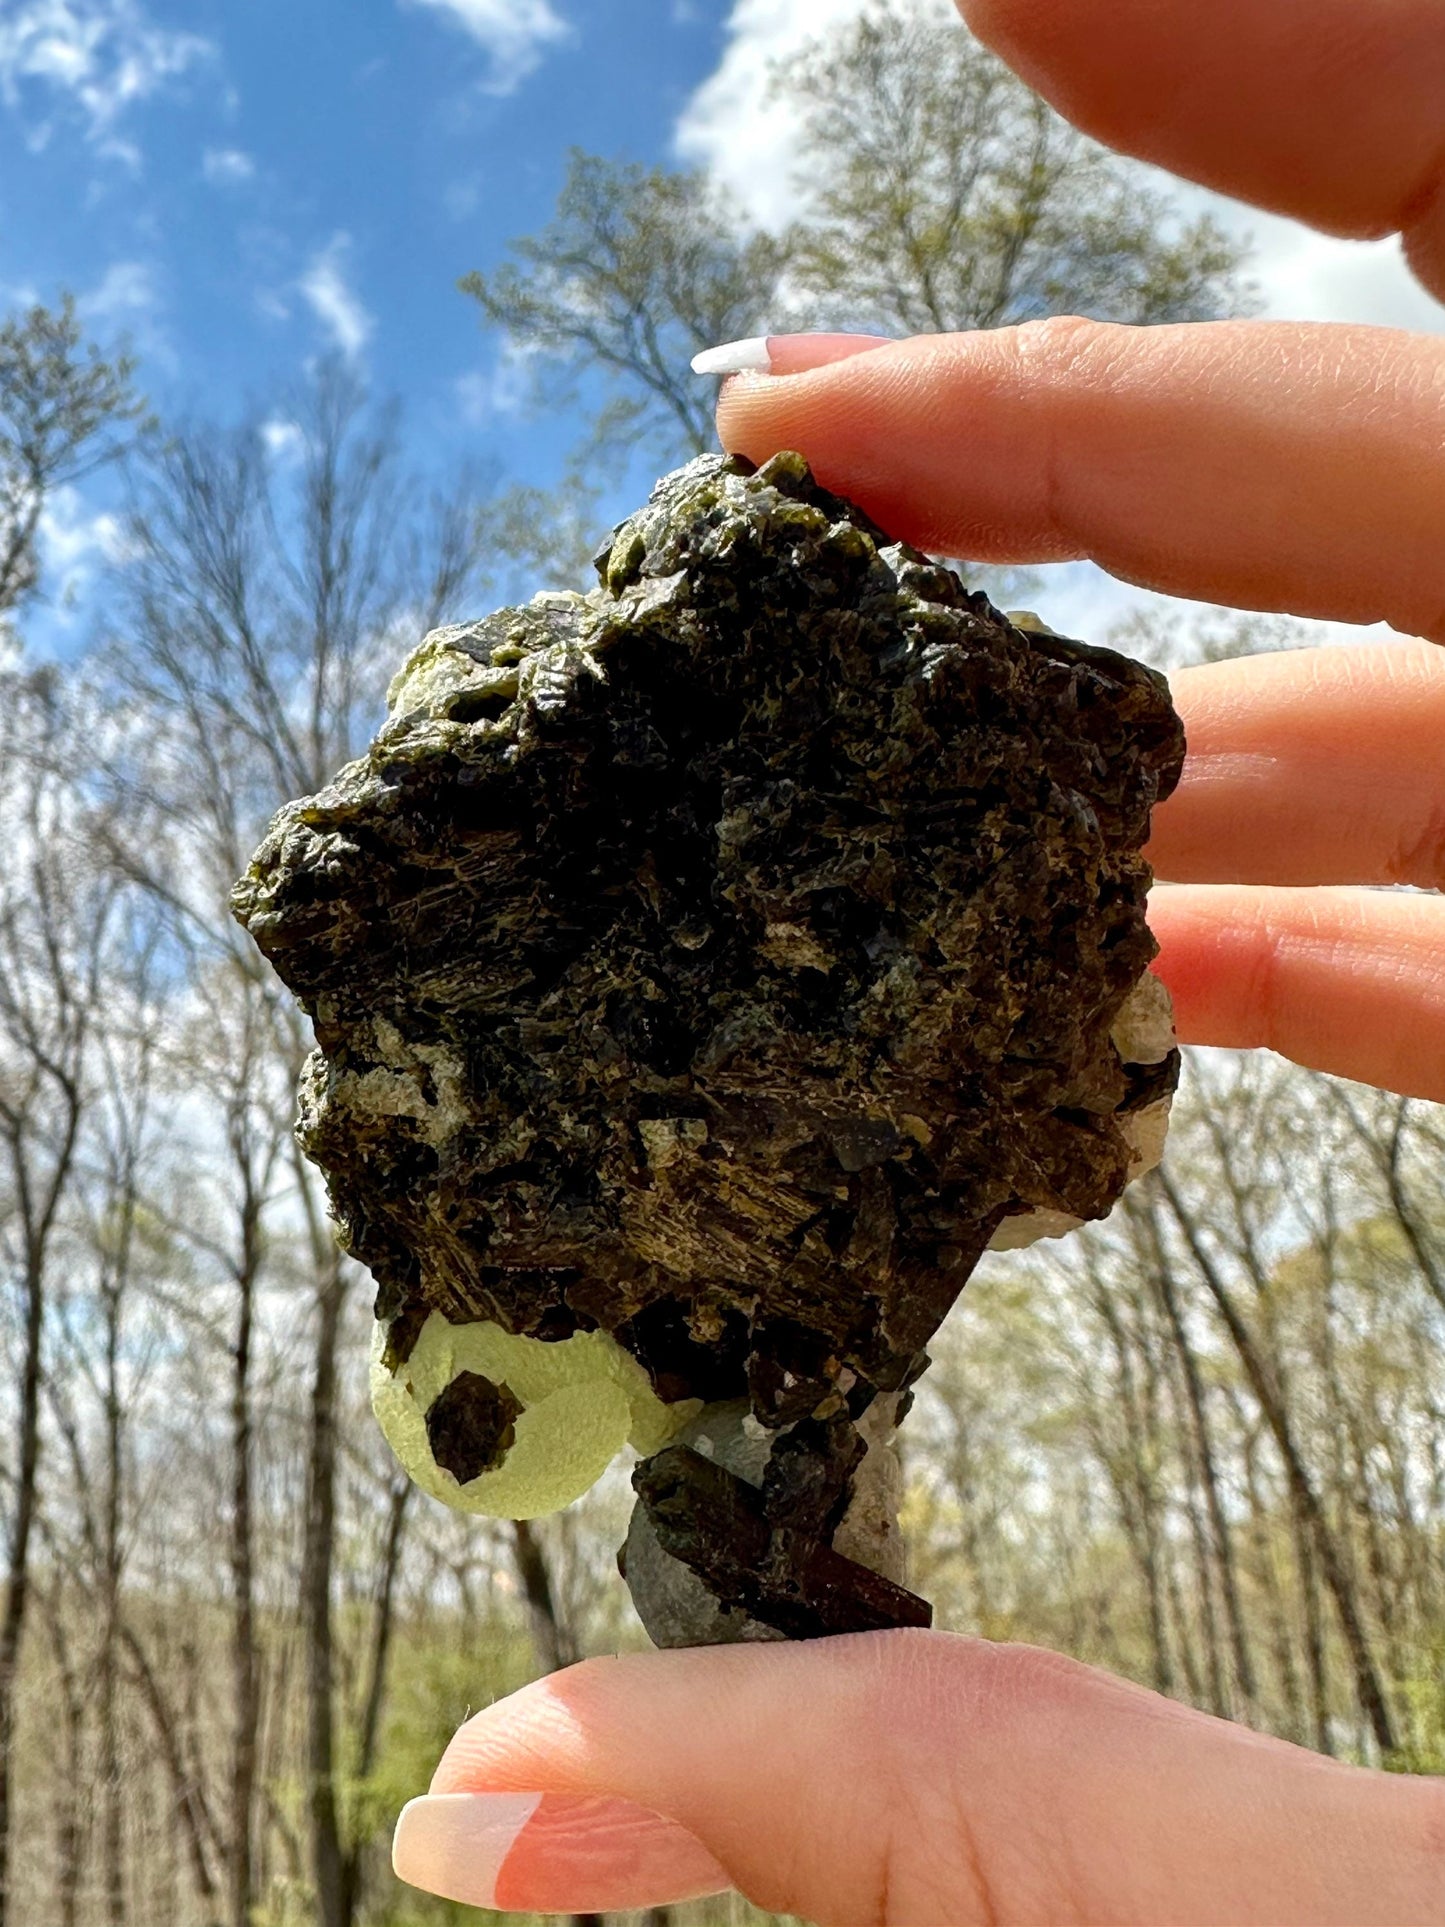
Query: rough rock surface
(679, 1608)
(721, 960)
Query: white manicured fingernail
(454, 1844)
(554, 1853)
(735, 358)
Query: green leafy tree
(936, 192)
(941, 193)
(637, 270)
(66, 409)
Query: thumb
(907, 1779)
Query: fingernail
(735, 358)
(550, 1853)
(456, 1844)
(782, 354)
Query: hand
(924, 1780)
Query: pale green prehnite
(583, 1399)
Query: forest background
(1203, 1444)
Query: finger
(1311, 766)
(1349, 981)
(782, 354)
(1324, 109)
(1270, 465)
(921, 1780)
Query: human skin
(922, 1779)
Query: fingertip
(1190, 963)
(797, 354)
(529, 1740)
(1424, 243)
(545, 1853)
(1342, 980)
(880, 428)
(804, 400)
(782, 354)
(455, 1844)
(1236, 95)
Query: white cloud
(332, 299)
(502, 389)
(125, 291)
(71, 535)
(127, 298)
(75, 542)
(103, 55)
(745, 140)
(282, 440)
(227, 166)
(474, 396)
(273, 305)
(514, 33)
(1304, 276)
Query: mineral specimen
(705, 970)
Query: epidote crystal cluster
(705, 970)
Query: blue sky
(244, 184)
(241, 186)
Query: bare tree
(1304, 1496)
(268, 605)
(56, 912)
(1143, 1208)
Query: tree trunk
(197, 1824)
(112, 1771)
(328, 1866)
(381, 1631)
(1192, 1677)
(69, 1829)
(1332, 1566)
(1218, 1699)
(1266, 1568)
(553, 1642)
(1134, 1485)
(1314, 1632)
(111, 1767)
(17, 1576)
(1244, 1669)
(246, 1699)
(397, 1509)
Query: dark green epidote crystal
(753, 929)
